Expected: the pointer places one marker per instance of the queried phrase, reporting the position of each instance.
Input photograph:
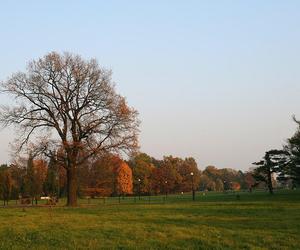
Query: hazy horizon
(215, 81)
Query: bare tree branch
(75, 99)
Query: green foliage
(273, 161)
(292, 170)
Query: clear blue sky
(216, 80)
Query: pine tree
(29, 178)
(272, 162)
(292, 170)
(52, 180)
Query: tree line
(109, 175)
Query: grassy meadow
(213, 221)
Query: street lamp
(193, 190)
(166, 182)
(139, 180)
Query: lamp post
(139, 180)
(166, 186)
(193, 190)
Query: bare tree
(76, 99)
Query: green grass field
(213, 221)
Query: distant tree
(124, 179)
(6, 183)
(241, 179)
(211, 185)
(35, 178)
(169, 172)
(222, 179)
(229, 175)
(213, 177)
(158, 182)
(40, 172)
(29, 179)
(219, 185)
(204, 180)
(249, 180)
(271, 163)
(18, 173)
(212, 172)
(107, 175)
(75, 99)
(102, 175)
(235, 186)
(51, 185)
(142, 167)
(185, 168)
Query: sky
(215, 80)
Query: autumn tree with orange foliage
(107, 175)
(159, 183)
(99, 178)
(174, 175)
(124, 183)
(185, 168)
(235, 186)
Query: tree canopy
(76, 99)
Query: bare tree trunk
(72, 186)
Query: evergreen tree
(51, 185)
(29, 178)
(5, 183)
(292, 170)
(273, 161)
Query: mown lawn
(213, 221)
